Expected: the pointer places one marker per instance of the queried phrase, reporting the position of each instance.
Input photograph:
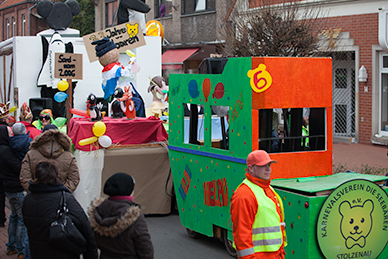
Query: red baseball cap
(259, 157)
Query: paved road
(171, 241)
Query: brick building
(360, 108)
(19, 18)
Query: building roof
(8, 3)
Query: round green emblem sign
(353, 221)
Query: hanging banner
(353, 221)
(126, 36)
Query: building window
(110, 11)
(193, 6)
(24, 25)
(383, 95)
(13, 26)
(163, 8)
(7, 24)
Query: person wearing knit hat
(119, 227)
(255, 206)
(20, 141)
(26, 119)
(119, 184)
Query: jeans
(2, 204)
(17, 231)
(27, 254)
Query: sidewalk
(354, 156)
(4, 239)
(346, 155)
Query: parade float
(283, 106)
(65, 66)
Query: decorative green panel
(206, 177)
(302, 208)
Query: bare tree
(286, 29)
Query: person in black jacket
(4, 120)
(40, 210)
(120, 229)
(10, 168)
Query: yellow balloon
(87, 141)
(62, 85)
(99, 128)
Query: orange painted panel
(296, 83)
(301, 164)
(255, 129)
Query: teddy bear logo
(356, 223)
(261, 79)
(132, 30)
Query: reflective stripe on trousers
(245, 252)
(262, 242)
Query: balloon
(11, 119)
(60, 96)
(62, 85)
(14, 108)
(105, 141)
(87, 141)
(135, 68)
(219, 91)
(193, 89)
(130, 53)
(99, 128)
(79, 112)
(206, 87)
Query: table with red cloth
(120, 130)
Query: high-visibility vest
(266, 230)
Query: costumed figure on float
(159, 90)
(92, 108)
(114, 75)
(58, 16)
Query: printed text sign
(126, 36)
(68, 65)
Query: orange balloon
(206, 87)
(154, 28)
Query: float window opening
(292, 129)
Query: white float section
(149, 57)
(90, 165)
(27, 55)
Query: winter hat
(25, 112)
(103, 46)
(46, 111)
(4, 110)
(19, 129)
(259, 157)
(49, 126)
(119, 184)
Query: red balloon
(11, 119)
(219, 91)
(79, 112)
(206, 87)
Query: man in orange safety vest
(257, 212)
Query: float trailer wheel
(228, 244)
(192, 233)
